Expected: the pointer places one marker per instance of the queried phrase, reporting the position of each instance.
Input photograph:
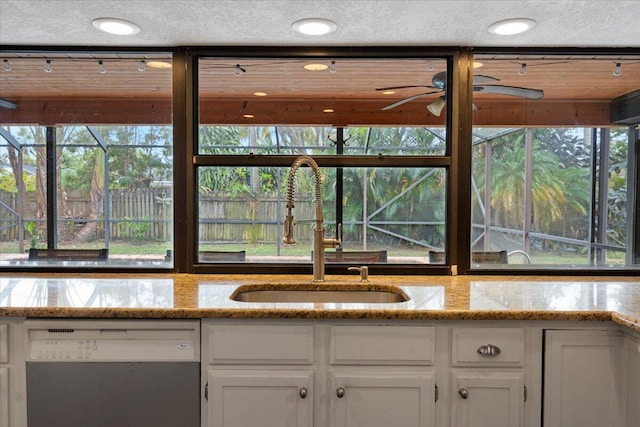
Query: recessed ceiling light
(314, 26)
(116, 26)
(159, 64)
(248, 116)
(477, 64)
(509, 27)
(316, 67)
(328, 110)
(389, 92)
(260, 93)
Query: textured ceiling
(566, 23)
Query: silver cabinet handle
(489, 350)
(340, 392)
(463, 392)
(303, 392)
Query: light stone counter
(431, 297)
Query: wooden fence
(146, 214)
(224, 218)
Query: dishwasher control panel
(105, 341)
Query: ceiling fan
(439, 83)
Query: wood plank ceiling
(578, 90)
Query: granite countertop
(430, 297)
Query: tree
(89, 230)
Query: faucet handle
(364, 272)
(288, 231)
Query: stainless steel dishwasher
(113, 373)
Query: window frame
(633, 205)
(51, 145)
(209, 160)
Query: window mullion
(52, 178)
(339, 182)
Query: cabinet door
(487, 399)
(260, 398)
(632, 393)
(4, 397)
(404, 399)
(583, 378)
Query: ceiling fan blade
(404, 87)
(8, 104)
(405, 100)
(521, 92)
(479, 79)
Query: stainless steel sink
(362, 294)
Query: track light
(47, 66)
(142, 65)
(8, 104)
(523, 69)
(618, 70)
(332, 67)
(238, 71)
(6, 66)
(436, 106)
(101, 68)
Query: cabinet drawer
(382, 345)
(249, 344)
(487, 347)
(4, 344)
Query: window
(381, 154)
(87, 161)
(550, 180)
(534, 170)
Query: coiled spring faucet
(320, 243)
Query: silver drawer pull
(303, 392)
(489, 350)
(340, 392)
(463, 392)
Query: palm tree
(89, 231)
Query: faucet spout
(320, 243)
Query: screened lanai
(383, 130)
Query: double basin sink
(319, 293)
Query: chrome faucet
(320, 243)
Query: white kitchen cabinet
(258, 375)
(345, 373)
(13, 408)
(488, 378)
(260, 398)
(303, 374)
(583, 378)
(487, 399)
(370, 385)
(4, 376)
(4, 397)
(382, 399)
(632, 391)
